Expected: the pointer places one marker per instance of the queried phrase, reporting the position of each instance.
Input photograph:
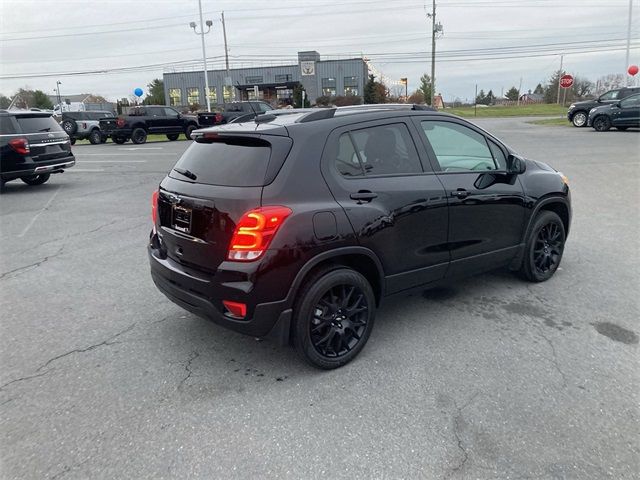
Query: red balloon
(633, 70)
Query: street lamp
(202, 33)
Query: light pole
(58, 83)
(626, 61)
(202, 33)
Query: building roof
(76, 98)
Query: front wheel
(579, 119)
(139, 136)
(173, 136)
(601, 123)
(95, 137)
(35, 179)
(544, 248)
(333, 317)
(189, 130)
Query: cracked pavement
(488, 378)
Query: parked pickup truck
(147, 119)
(235, 112)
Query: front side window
(612, 95)
(458, 148)
(386, 150)
(351, 85)
(170, 112)
(329, 87)
(175, 97)
(193, 96)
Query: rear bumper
(40, 168)
(203, 294)
(116, 132)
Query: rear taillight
(254, 232)
(120, 122)
(218, 118)
(154, 206)
(20, 145)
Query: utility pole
(559, 77)
(226, 48)
(204, 51)
(626, 62)
(58, 83)
(433, 54)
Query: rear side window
(387, 150)
(7, 126)
(233, 163)
(38, 124)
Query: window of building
(351, 86)
(251, 94)
(387, 150)
(213, 97)
(193, 96)
(458, 148)
(253, 80)
(227, 93)
(329, 87)
(175, 96)
(284, 78)
(284, 95)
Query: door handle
(460, 193)
(363, 196)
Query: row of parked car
(139, 122)
(619, 108)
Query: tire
(333, 317)
(36, 179)
(139, 136)
(622, 129)
(173, 136)
(95, 137)
(189, 130)
(69, 126)
(601, 123)
(120, 140)
(579, 119)
(72, 140)
(544, 247)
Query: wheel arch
(557, 204)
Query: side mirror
(516, 165)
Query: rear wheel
(579, 119)
(139, 136)
(120, 140)
(544, 248)
(173, 136)
(601, 123)
(188, 131)
(95, 137)
(334, 316)
(35, 179)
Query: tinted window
(7, 126)
(387, 150)
(612, 95)
(38, 124)
(498, 155)
(631, 102)
(155, 111)
(170, 112)
(236, 163)
(458, 148)
(347, 162)
(261, 107)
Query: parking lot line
(113, 161)
(46, 206)
(116, 154)
(83, 170)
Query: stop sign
(566, 81)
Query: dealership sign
(308, 68)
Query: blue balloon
(138, 92)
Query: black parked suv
(621, 115)
(32, 147)
(578, 112)
(298, 224)
(141, 121)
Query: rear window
(38, 124)
(6, 126)
(233, 163)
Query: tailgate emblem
(181, 218)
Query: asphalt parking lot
(102, 377)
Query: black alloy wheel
(189, 130)
(139, 136)
(544, 248)
(95, 137)
(333, 317)
(601, 123)
(173, 136)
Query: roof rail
(306, 114)
(388, 106)
(318, 114)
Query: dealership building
(274, 84)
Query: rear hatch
(217, 180)
(47, 140)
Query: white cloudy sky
(130, 42)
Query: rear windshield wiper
(186, 173)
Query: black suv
(621, 115)
(578, 112)
(32, 147)
(141, 121)
(297, 224)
